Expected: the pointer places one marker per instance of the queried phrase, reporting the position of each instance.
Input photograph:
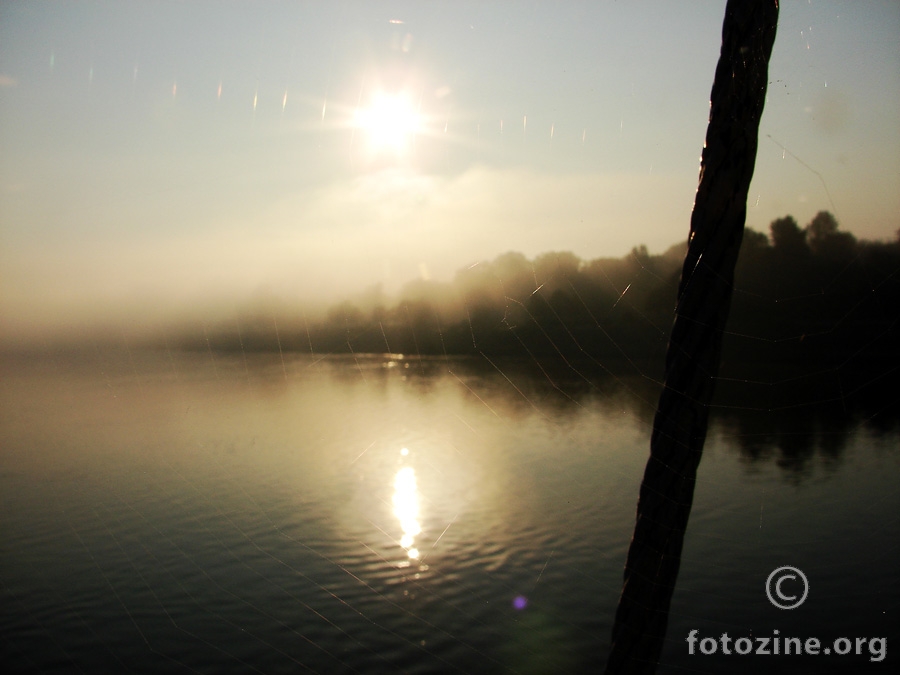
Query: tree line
(800, 293)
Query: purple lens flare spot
(520, 602)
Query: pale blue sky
(129, 183)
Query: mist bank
(813, 295)
(801, 295)
(129, 264)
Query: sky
(166, 159)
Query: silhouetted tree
(826, 241)
(822, 226)
(553, 269)
(516, 275)
(787, 237)
(640, 253)
(754, 240)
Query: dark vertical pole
(692, 359)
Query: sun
(390, 123)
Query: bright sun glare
(390, 123)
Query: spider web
(177, 486)
(222, 509)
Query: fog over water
(373, 514)
(332, 335)
(160, 161)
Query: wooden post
(692, 358)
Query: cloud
(7, 81)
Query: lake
(172, 511)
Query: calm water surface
(168, 512)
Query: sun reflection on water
(406, 507)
